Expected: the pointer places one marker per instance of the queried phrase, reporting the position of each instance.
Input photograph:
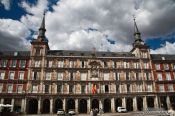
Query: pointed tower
(140, 49)
(137, 35)
(40, 45)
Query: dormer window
(37, 52)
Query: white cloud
(6, 4)
(13, 35)
(167, 48)
(67, 22)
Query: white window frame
(170, 88)
(161, 88)
(37, 63)
(18, 89)
(60, 76)
(21, 75)
(10, 90)
(159, 76)
(2, 75)
(1, 87)
(48, 75)
(11, 77)
(168, 76)
(106, 76)
(157, 66)
(34, 88)
(22, 63)
(83, 76)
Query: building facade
(43, 80)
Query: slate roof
(163, 56)
(88, 53)
(15, 53)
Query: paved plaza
(105, 114)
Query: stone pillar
(156, 102)
(112, 105)
(135, 104)
(145, 103)
(23, 105)
(51, 106)
(76, 105)
(88, 105)
(64, 104)
(100, 104)
(124, 102)
(2, 101)
(39, 106)
(12, 103)
(168, 102)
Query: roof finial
(136, 30)
(137, 34)
(42, 27)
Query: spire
(137, 35)
(42, 29)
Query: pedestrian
(91, 113)
(100, 112)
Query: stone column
(135, 104)
(88, 105)
(100, 104)
(112, 105)
(145, 103)
(12, 103)
(76, 105)
(168, 102)
(2, 101)
(51, 106)
(39, 106)
(124, 102)
(23, 105)
(64, 104)
(156, 102)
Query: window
(19, 88)
(48, 75)
(166, 67)
(157, 66)
(126, 64)
(161, 88)
(10, 88)
(116, 76)
(128, 87)
(139, 87)
(71, 64)
(71, 88)
(83, 88)
(136, 65)
(105, 64)
(146, 66)
(159, 76)
(60, 64)
(1, 86)
(35, 75)
(106, 88)
(82, 64)
(37, 52)
(13, 63)
(49, 63)
(46, 88)
(170, 88)
(173, 66)
(148, 76)
(127, 75)
(149, 88)
(2, 75)
(21, 76)
(168, 76)
(60, 76)
(11, 75)
(83, 76)
(3, 63)
(37, 63)
(22, 63)
(59, 88)
(117, 88)
(34, 89)
(106, 76)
